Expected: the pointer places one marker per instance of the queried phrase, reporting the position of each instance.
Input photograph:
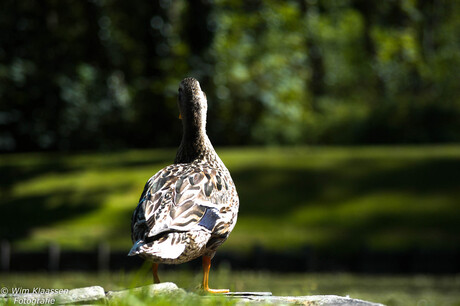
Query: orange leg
(156, 279)
(206, 268)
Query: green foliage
(258, 79)
(104, 74)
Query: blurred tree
(104, 73)
(413, 107)
(260, 77)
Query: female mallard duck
(189, 208)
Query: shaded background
(339, 121)
(104, 74)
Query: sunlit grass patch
(377, 197)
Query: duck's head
(192, 103)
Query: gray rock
(317, 300)
(86, 294)
(162, 288)
(93, 294)
(337, 300)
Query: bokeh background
(339, 121)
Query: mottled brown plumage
(189, 208)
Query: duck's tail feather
(166, 249)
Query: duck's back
(186, 210)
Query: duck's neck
(195, 144)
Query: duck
(189, 208)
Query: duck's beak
(180, 116)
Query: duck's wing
(181, 198)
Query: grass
(389, 290)
(383, 198)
